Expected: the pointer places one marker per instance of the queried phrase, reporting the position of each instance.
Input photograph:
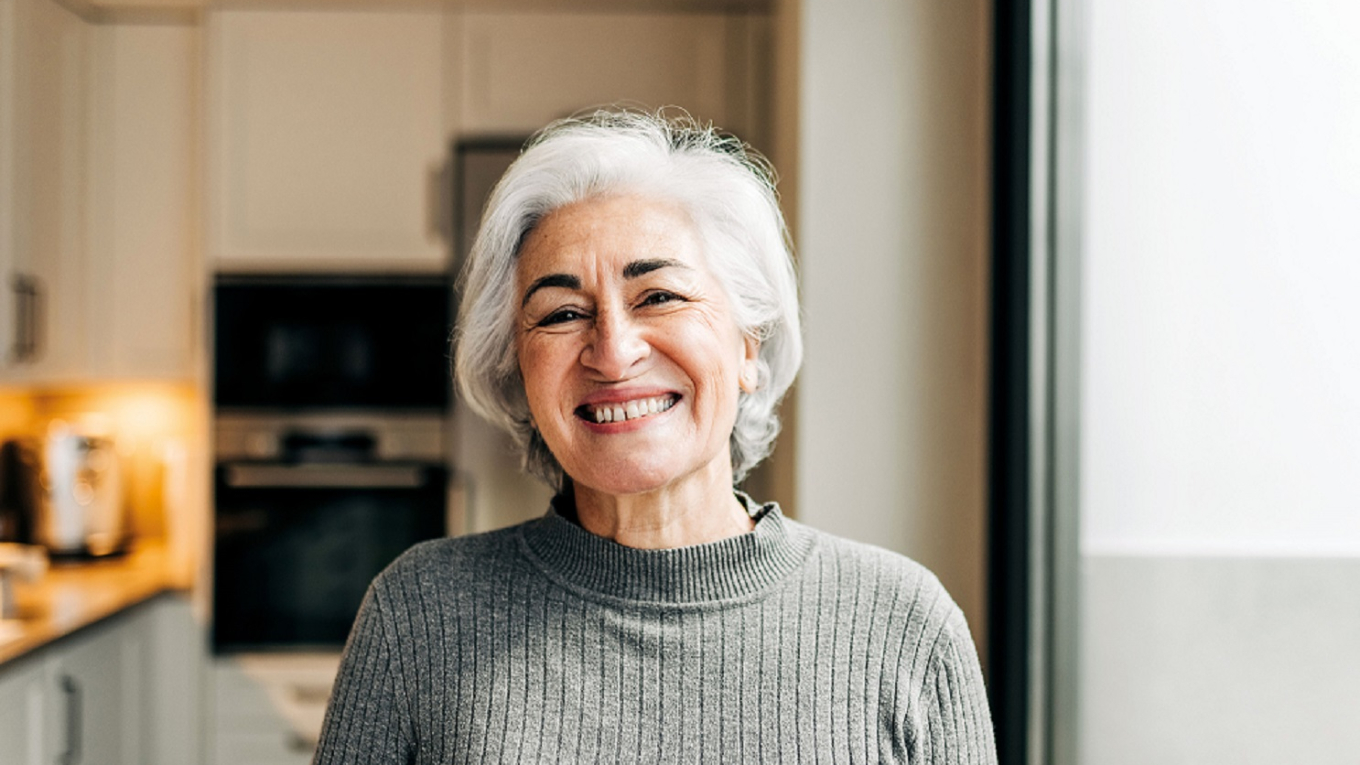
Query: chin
(622, 485)
(628, 477)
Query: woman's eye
(560, 316)
(659, 298)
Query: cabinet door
(95, 695)
(48, 139)
(97, 277)
(22, 686)
(326, 140)
(141, 265)
(522, 70)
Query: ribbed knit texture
(545, 643)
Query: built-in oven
(332, 455)
(309, 508)
(331, 410)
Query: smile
(626, 410)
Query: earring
(748, 380)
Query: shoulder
(890, 585)
(451, 564)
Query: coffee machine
(82, 507)
(64, 492)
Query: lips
(630, 409)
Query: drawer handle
(325, 476)
(73, 753)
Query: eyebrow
(639, 267)
(551, 280)
(631, 271)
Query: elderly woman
(630, 316)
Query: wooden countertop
(75, 595)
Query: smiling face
(631, 358)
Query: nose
(615, 347)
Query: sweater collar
(730, 568)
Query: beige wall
(893, 236)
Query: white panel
(1228, 660)
(523, 70)
(1220, 361)
(328, 137)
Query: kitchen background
(153, 149)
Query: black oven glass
(332, 343)
(292, 562)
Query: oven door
(297, 545)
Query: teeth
(631, 410)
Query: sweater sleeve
(368, 719)
(953, 723)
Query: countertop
(75, 595)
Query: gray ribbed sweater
(545, 643)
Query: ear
(750, 370)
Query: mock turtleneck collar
(735, 567)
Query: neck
(695, 512)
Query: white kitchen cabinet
(94, 694)
(22, 695)
(522, 70)
(144, 282)
(79, 700)
(97, 198)
(329, 131)
(121, 692)
(44, 144)
(327, 142)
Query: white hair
(726, 188)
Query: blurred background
(1079, 290)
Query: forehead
(608, 232)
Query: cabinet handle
(38, 311)
(337, 476)
(74, 723)
(27, 311)
(18, 284)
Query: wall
(1220, 427)
(892, 219)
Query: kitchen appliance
(332, 398)
(64, 492)
(82, 507)
(19, 491)
(332, 342)
(309, 508)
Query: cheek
(543, 365)
(715, 363)
(533, 370)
